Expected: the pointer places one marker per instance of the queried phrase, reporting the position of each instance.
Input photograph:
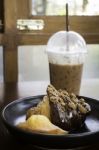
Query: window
(33, 63)
(30, 69)
(50, 7)
(82, 14)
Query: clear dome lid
(64, 42)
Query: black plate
(15, 112)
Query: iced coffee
(66, 58)
(66, 76)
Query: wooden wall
(1, 15)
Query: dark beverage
(66, 77)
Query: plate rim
(71, 135)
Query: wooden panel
(87, 26)
(91, 38)
(10, 58)
(32, 39)
(81, 24)
(41, 39)
(10, 41)
(23, 9)
(1, 15)
(10, 15)
(1, 39)
(1, 9)
(10, 65)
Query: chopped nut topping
(63, 98)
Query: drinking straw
(67, 28)
(67, 18)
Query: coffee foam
(56, 58)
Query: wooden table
(11, 91)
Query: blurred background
(32, 58)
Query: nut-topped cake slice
(63, 109)
(67, 110)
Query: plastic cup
(66, 55)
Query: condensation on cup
(66, 54)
